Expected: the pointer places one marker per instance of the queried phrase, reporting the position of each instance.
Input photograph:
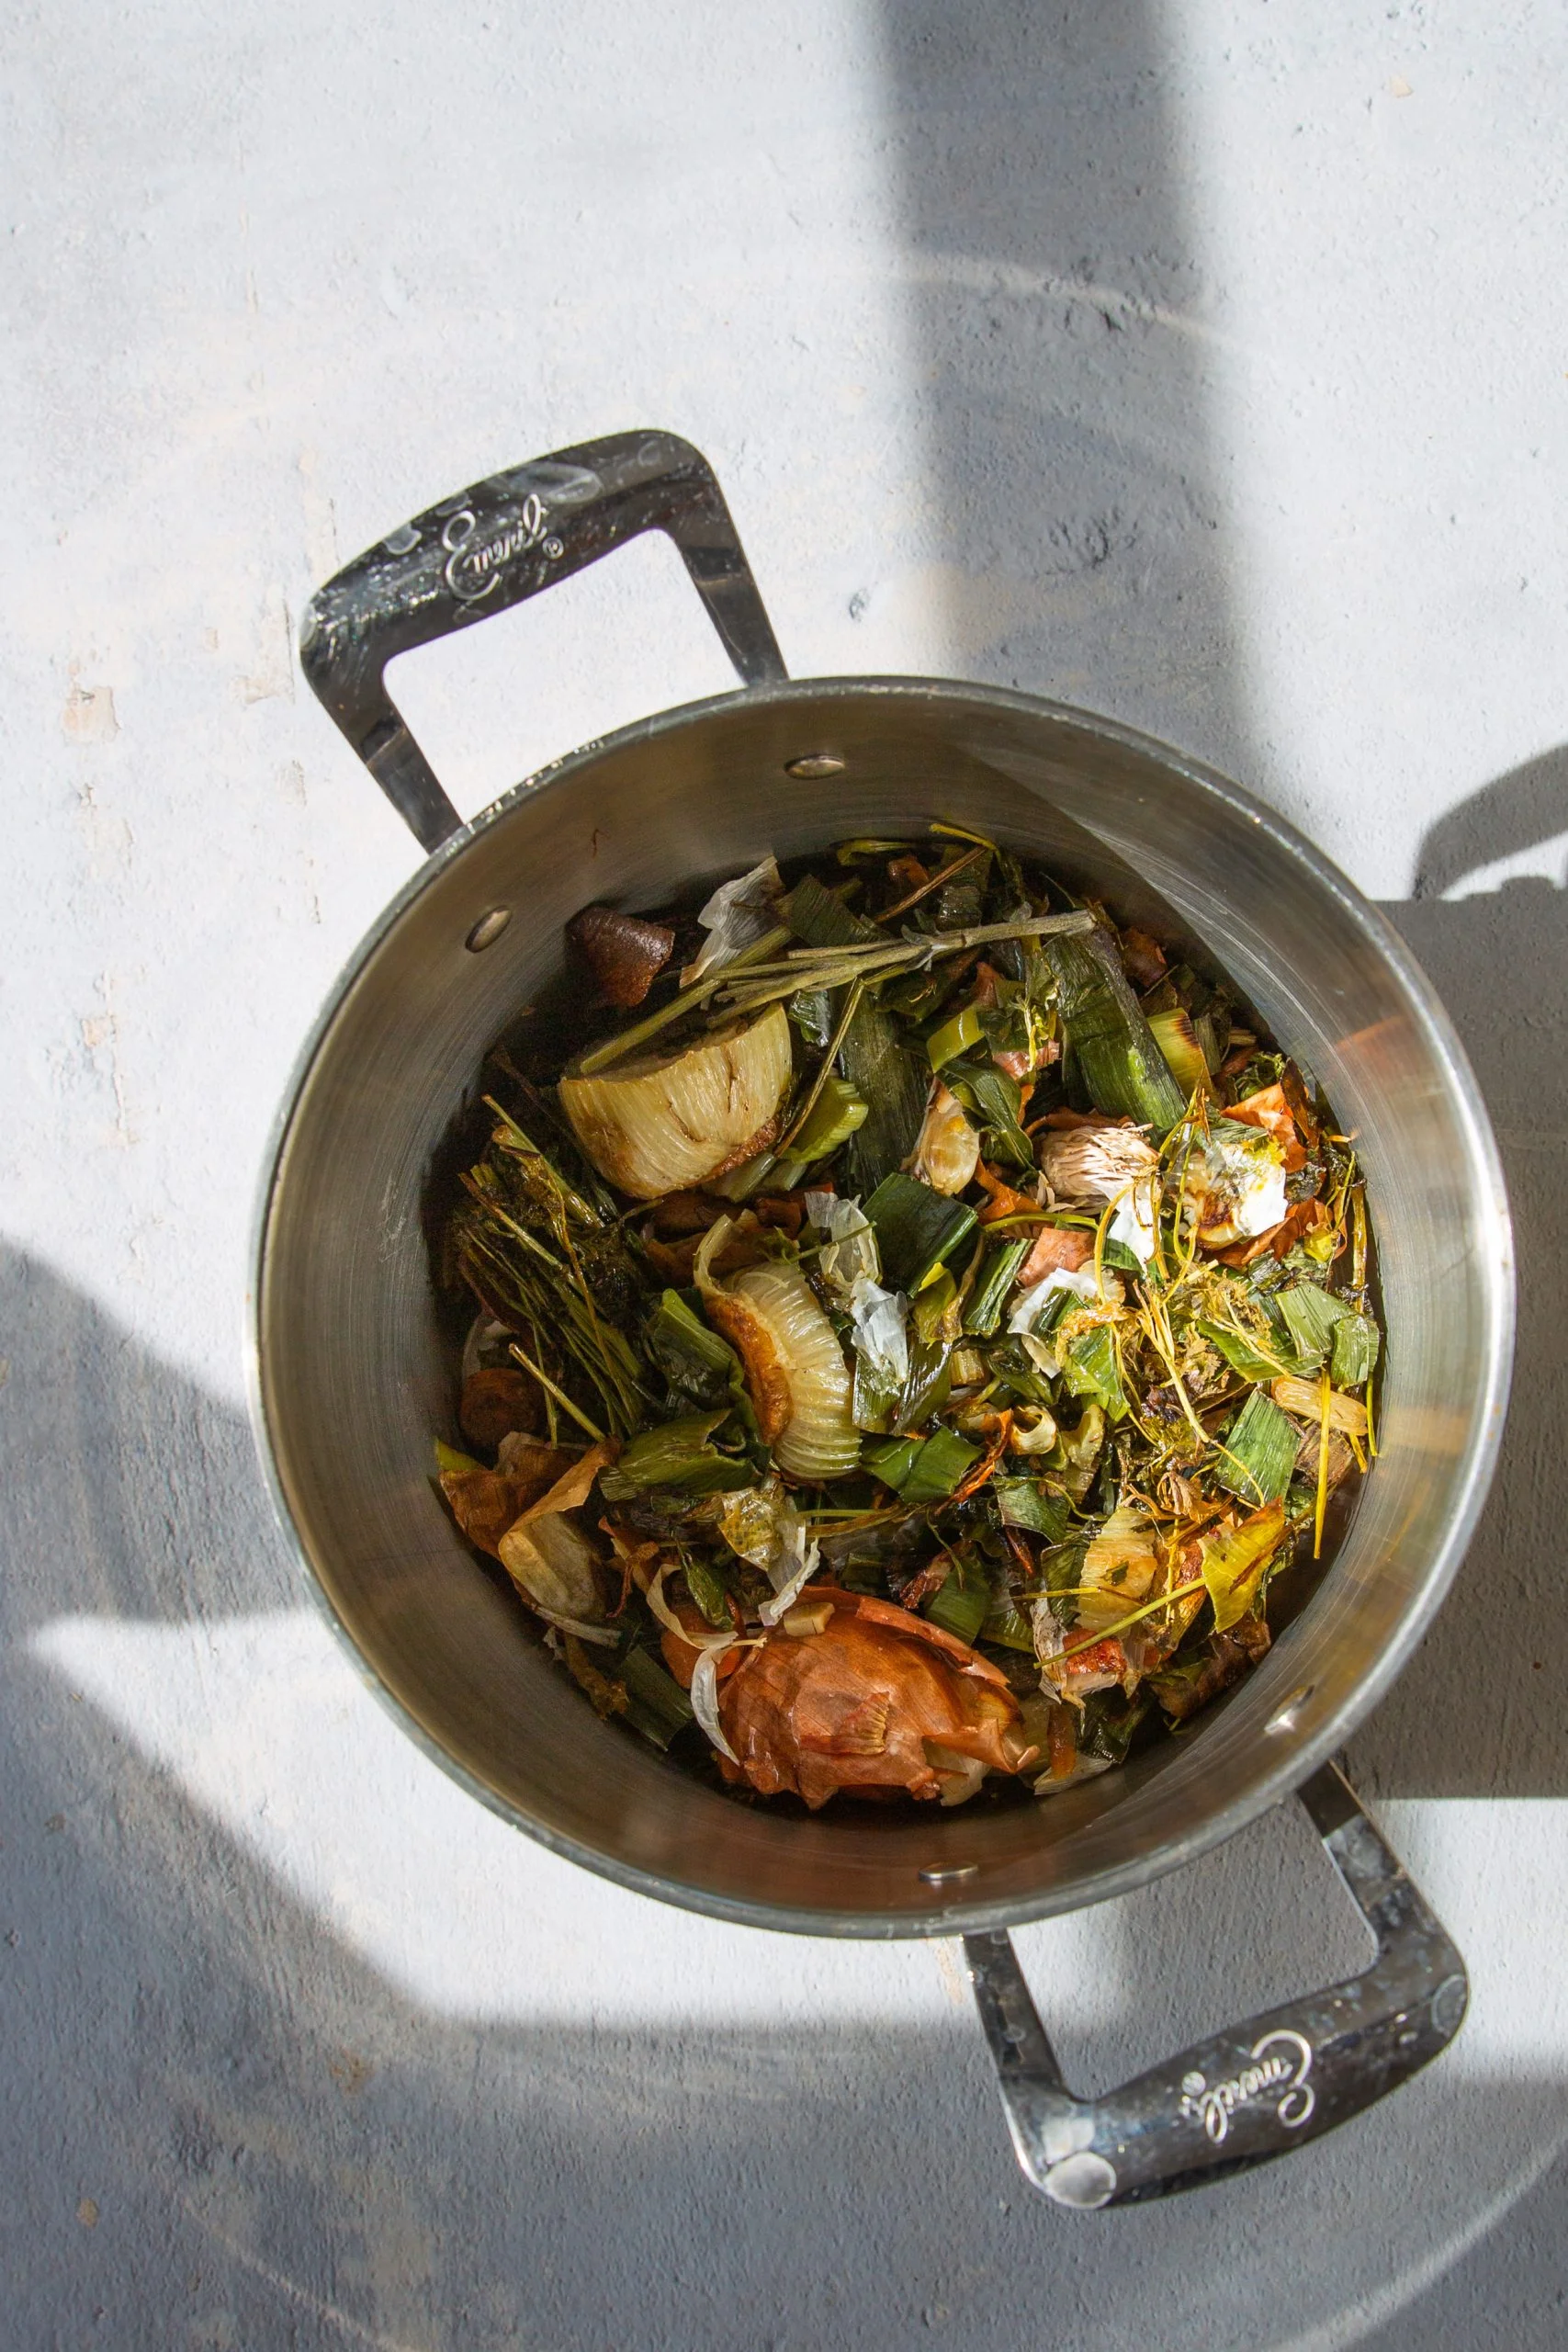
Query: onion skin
(654, 1124)
(853, 1707)
(948, 1151)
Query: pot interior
(356, 1377)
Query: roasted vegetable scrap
(909, 1358)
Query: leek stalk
(959, 1606)
(679, 1455)
(984, 1311)
(916, 1228)
(1258, 1451)
(1118, 1058)
(656, 1704)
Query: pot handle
(497, 542)
(1256, 2091)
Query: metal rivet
(1284, 1716)
(1084, 2181)
(488, 929)
(946, 1877)
(815, 763)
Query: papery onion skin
(854, 1707)
(662, 1124)
(948, 1151)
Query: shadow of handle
(496, 544)
(1255, 2090)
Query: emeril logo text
(1282, 2061)
(474, 563)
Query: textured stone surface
(1202, 364)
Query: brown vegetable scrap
(498, 1402)
(625, 952)
(859, 1707)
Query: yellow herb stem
(1372, 1427)
(1100, 1231)
(1323, 1394)
(962, 833)
(549, 1385)
(1109, 1633)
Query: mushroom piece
(625, 952)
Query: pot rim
(1297, 1763)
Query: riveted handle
(496, 543)
(1256, 2091)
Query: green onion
(820, 917)
(1258, 1451)
(929, 1310)
(678, 1454)
(1324, 1326)
(955, 1037)
(924, 1470)
(990, 1293)
(997, 1101)
(916, 1228)
(812, 1013)
(656, 1704)
(1356, 1344)
(1108, 1724)
(1024, 1502)
(1118, 1058)
(926, 1385)
(1007, 1626)
(1310, 1315)
(1177, 1040)
(692, 1357)
(831, 1121)
(708, 1589)
(891, 1463)
(874, 1396)
(1253, 1360)
(940, 1466)
(959, 1608)
(892, 1085)
(1090, 1369)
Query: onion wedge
(663, 1123)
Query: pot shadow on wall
(1479, 1711)
(1060, 328)
(1058, 317)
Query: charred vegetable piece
(625, 952)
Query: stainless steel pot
(353, 1375)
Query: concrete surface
(1199, 362)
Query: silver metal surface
(1261, 2089)
(352, 1377)
(488, 929)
